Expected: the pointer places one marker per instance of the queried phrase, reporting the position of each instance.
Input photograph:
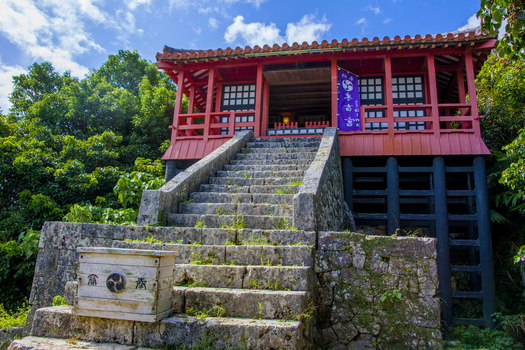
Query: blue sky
(76, 35)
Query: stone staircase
(243, 274)
(265, 278)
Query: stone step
(271, 162)
(224, 188)
(256, 198)
(275, 156)
(266, 167)
(239, 181)
(232, 208)
(282, 150)
(287, 140)
(242, 303)
(244, 277)
(257, 255)
(42, 343)
(231, 221)
(275, 189)
(178, 331)
(248, 174)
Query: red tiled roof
(171, 54)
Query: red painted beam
(432, 84)
(258, 99)
(473, 99)
(389, 96)
(264, 123)
(209, 102)
(333, 73)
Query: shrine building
(411, 147)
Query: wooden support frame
(485, 240)
(392, 180)
(443, 240)
(348, 182)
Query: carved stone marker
(125, 284)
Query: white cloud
(256, 33)
(180, 4)
(54, 31)
(197, 30)
(375, 10)
(307, 29)
(133, 4)
(388, 20)
(363, 22)
(256, 3)
(6, 83)
(205, 11)
(472, 22)
(213, 23)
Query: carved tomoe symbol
(115, 283)
(92, 280)
(141, 283)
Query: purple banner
(348, 102)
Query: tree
(79, 150)
(492, 15)
(501, 98)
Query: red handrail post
(432, 82)
(389, 96)
(258, 100)
(473, 99)
(333, 70)
(209, 102)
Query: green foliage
(68, 150)
(17, 263)
(471, 337)
(391, 296)
(59, 300)
(501, 98)
(13, 319)
(492, 15)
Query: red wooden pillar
(389, 97)
(218, 101)
(178, 105)
(264, 123)
(258, 100)
(462, 94)
(432, 84)
(209, 102)
(218, 97)
(333, 71)
(191, 102)
(471, 83)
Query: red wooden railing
(466, 122)
(324, 124)
(187, 129)
(285, 125)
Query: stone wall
(376, 292)
(320, 204)
(156, 205)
